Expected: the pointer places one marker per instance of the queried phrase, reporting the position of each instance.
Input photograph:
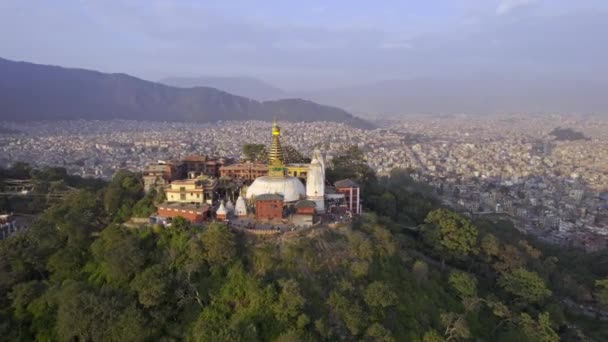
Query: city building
(195, 190)
(161, 174)
(268, 207)
(202, 164)
(351, 192)
(299, 170)
(305, 213)
(245, 171)
(195, 213)
(8, 225)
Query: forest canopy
(407, 270)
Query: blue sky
(312, 44)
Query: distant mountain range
(41, 92)
(480, 94)
(484, 94)
(242, 86)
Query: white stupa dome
(291, 188)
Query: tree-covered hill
(566, 134)
(408, 270)
(43, 92)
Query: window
(182, 188)
(182, 197)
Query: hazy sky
(312, 43)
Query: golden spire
(276, 130)
(275, 155)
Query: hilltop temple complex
(200, 189)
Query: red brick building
(268, 207)
(161, 174)
(352, 194)
(195, 213)
(244, 171)
(201, 164)
(305, 207)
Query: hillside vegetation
(408, 270)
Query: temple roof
(269, 197)
(346, 183)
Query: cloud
(508, 6)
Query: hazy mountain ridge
(475, 94)
(41, 92)
(484, 94)
(243, 86)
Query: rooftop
(269, 197)
(184, 206)
(346, 183)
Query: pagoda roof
(346, 183)
(269, 197)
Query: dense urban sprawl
(510, 166)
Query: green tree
(219, 245)
(450, 232)
(87, 315)
(539, 330)
(464, 284)
(118, 256)
(151, 285)
(264, 260)
(255, 152)
(420, 269)
(601, 291)
(348, 311)
(432, 336)
(387, 205)
(122, 193)
(360, 246)
(290, 302)
(524, 284)
(77, 217)
(292, 155)
(359, 268)
(379, 295)
(180, 224)
(376, 332)
(490, 245)
(160, 196)
(22, 295)
(456, 327)
(145, 206)
(351, 164)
